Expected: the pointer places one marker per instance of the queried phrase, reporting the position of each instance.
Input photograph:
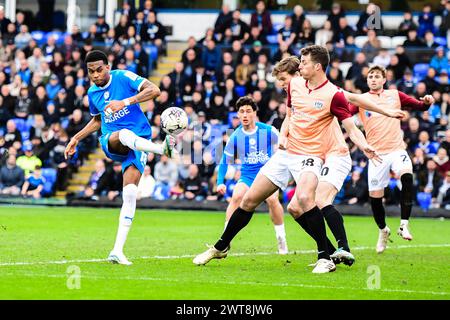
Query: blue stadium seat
(442, 41)
(276, 26)
(230, 116)
(58, 35)
(240, 90)
(39, 36)
(272, 38)
(424, 200)
(152, 52)
(20, 124)
(24, 127)
(50, 178)
(65, 123)
(420, 70)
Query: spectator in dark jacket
(336, 13)
(426, 20)
(407, 24)
(261, 18)
(192, 186)
(223, 19)
(298, 17)
(445, 24)
(239, 28)
(98, 182)
(356, 190)
(12, 136)
(115, 182)
(429, 180)
(211, 57)
(362, 25)
(413, 40)
(11, 177)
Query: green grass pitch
(59, 253)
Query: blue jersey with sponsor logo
(122, 84)
(253, 149)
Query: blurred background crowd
(43, 95)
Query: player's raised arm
(91, 127)
(367, 104)
(147, 91)
(409, 103)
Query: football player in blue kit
(114, 99)
(253, 143)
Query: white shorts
(379, 175)
(335, 170)
(283, 166)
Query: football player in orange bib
(337, 164)
(314, 104)
(386, 136)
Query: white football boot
(383, 238)
(324, 266)
(118, 258)
(403, 232)
(208, 255)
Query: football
(174, 120)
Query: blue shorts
(134, 157)
(248, 180)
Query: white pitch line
(31, 263)
(250, 283)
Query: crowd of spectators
(46, 87)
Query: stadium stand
(195, 89)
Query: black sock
(336, 223)
(406, 198)
(238, 221)
(304, 224)
(378, 212)
(316, 223)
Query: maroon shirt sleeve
(339, 107)
(410, 103)
(288, 102)
(353, 109)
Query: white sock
(126, 217)
(279, 231)
(404, 222)
(131, 140)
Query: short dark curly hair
(96, 55)
(246, 101)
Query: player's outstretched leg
(376, 201)
(126, 217)
(296, 212)
(276, 214)
(314, 217)
(131, 140)
(325, 194)
(406, 202)
(258, 192)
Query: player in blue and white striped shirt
(114, 105)
(253, 143)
